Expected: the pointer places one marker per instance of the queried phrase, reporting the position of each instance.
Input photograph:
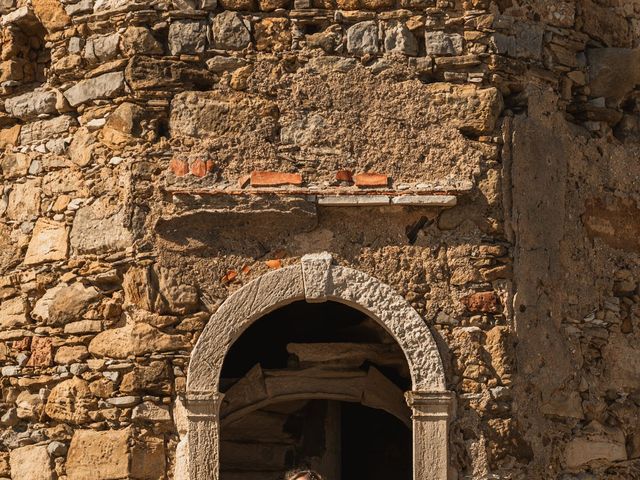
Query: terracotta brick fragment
(229, 277)
(344, 176)
(274, 179)
(482, 302)
(273, 263)
(200, 168)
(179, 167)
(371, 180)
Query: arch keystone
(316, 276)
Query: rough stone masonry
(478, 157)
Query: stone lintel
(426, 200)
(315, 274)
(353, 200)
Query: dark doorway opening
(375, 445)
(316, 385)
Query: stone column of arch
(318, 280)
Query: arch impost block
(316, 276)
(203, 406)
(432, 405)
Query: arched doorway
(317, 280)
(319, 385)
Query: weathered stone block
(99, 455)
(187, 36)
(150, 73)
(70, 402)
(99, 228)
(101, 48)
(230, 32)
(13, 313)
(31, 463)
(49, 242)
(46, 129)
(134, 339)
(24, 201)
(29, 105)
(41, 352)
(399, 39)
(51, 13)
(140, 41)
(362, 38)
(103, 86)
(441, 43)
(598, 443)
(69, 303)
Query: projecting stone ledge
(380, 200)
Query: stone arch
(317, 280)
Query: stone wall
(478, 157)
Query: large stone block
(399, 39)
(29, 105)
(101, 48)
(49, 242)
(24, 201)
(69, 303)
(13, 313)
(51, 13)
(70, 402)
(230, 32)
(134, 339)
(46, 129)
(103, 86)
(99, 455)
(362, 38)
(187, 36)
(598, 444)
(99, 228)
(115, 455)
(31, 463)
(441, 43)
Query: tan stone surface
(49, 242)
(100, 455)
(134, 339)
(31, 463)
(70, 402)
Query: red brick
(179, 167)
(371, 180)
(200, 168)
(482, 302)
(274, 179)
(41, 352)
(344, 176)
